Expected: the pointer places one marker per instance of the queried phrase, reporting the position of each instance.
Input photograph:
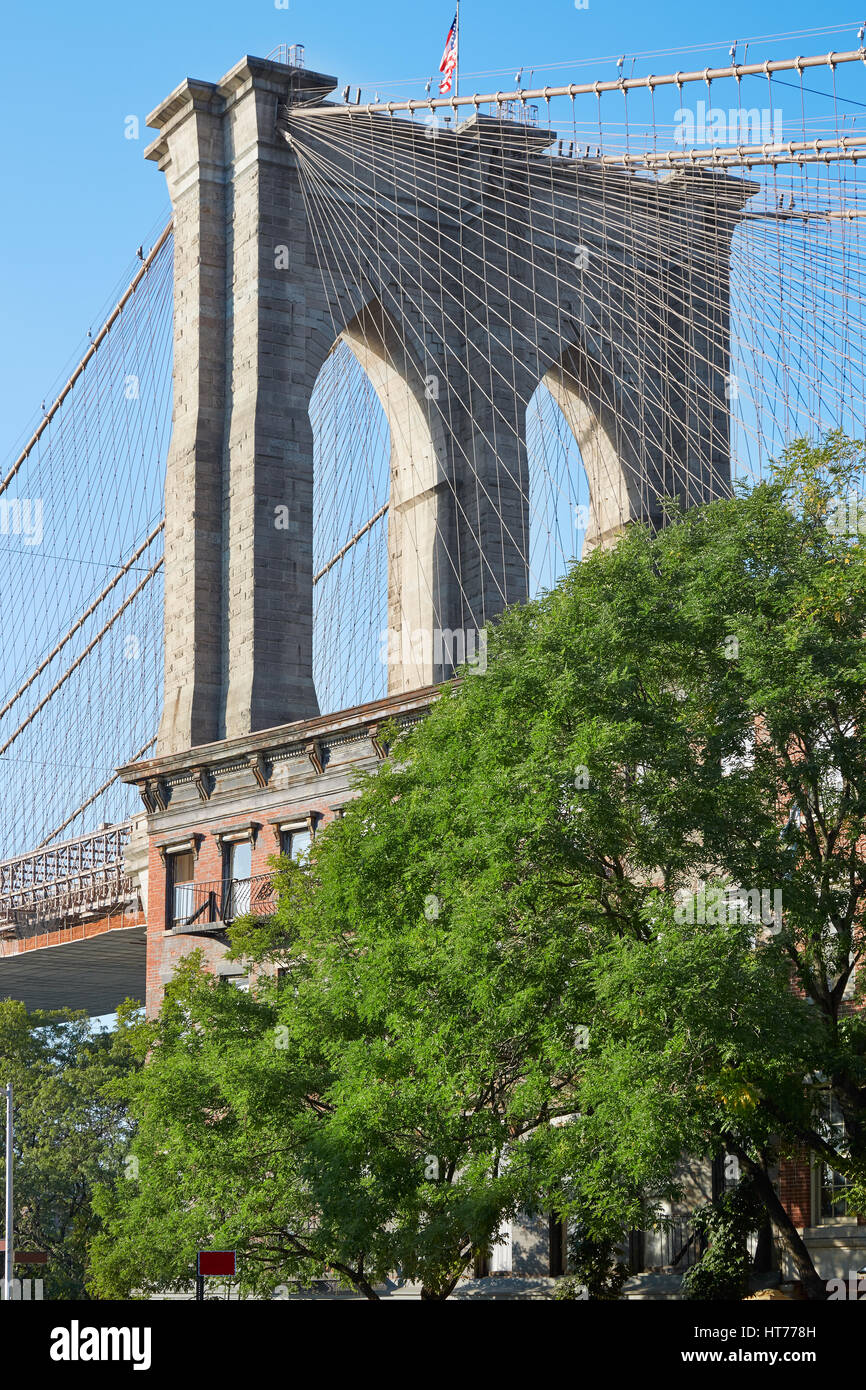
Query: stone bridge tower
(496, 267)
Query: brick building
(218, 814)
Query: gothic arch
(420, 566)
(611, 453)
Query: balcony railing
(203, 906)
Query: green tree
(70, 1132)
(594, 1268)
(327, 1126)
(722, 1272)
(488, 971)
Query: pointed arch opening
(381, 543)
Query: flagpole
(457, 48)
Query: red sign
(216, 1262)
(26, 1257)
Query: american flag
(449, 60)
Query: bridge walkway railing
(76, 876)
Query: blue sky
(82, 198)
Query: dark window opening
(831, 1197)
(181, 873)
(294, 844)
(557, 1247)
(238, 866)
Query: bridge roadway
(72, 925)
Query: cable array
(713, 355)
(80, 574)
(546, 314)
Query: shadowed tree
(71, 1132)
(492, 994)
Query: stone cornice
(266, 73)
(193, 94)
(360, 721)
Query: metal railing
(78, 875)
(517, 111)
(675, 1246)
(197, 906)
(292, 54)
(678, 1245)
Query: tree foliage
(722, 1272)
(489, 997)
(71, 1133)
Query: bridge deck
(72, 929)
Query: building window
(294, 844)
(724, 1174)
(558, 1257)
(496, 1259)
(181, 891)
(238, 864)
(829, 1188)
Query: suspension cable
(83, 619)
(101, 335)
(78, 660)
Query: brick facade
(297, 774)
(795, 1189)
